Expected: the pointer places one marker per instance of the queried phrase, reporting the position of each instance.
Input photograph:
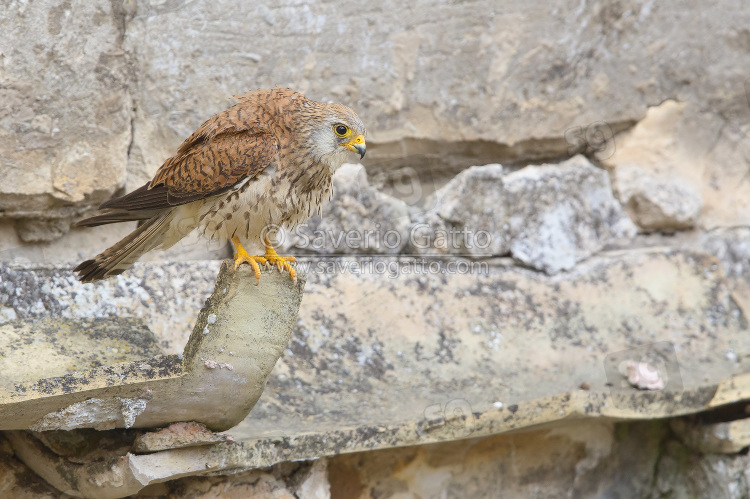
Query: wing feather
(226, 149)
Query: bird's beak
(358, 145)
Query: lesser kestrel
(267, 161)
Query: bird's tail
(121, 256)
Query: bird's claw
(281, 262)
(270, 258)
(242, 257)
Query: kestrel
(267, 161)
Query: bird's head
(339, 133)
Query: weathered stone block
(561, 214)
(654, 203)
(65, 117)
(548, 217)
(681, 167)
(507, 89)
(474, 201)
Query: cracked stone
(100, 414)
(548, 217)
(178, 435)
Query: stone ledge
(221, 364)
(378, 362)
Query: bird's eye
(341, 130)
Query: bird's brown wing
(206, 169)
(230, 147)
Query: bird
(264, 163)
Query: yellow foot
(282, 262)
(271, 257)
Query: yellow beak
(357, 144)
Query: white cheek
(338, 160)
(333, 159)
(322, 145)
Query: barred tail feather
(122, 255)
(118, 216)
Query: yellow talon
(242, 257)
(271, 257)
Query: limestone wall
(96, 94)
(542, 133)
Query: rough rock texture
(562, 214)
(176, 436)
(470, 213)
(17, 481)
(36, 230)
(100, 414)
(518, 77)
(29, 352)
(168, 297)
(680, 166)
(728, 437)
(95, 95)
(73, 247)
(684, 472)
(525, 82)
(240, 333)
(548, 217)
(360, 324)
(657, 203)
(476, 351)
(592, 461)
(65, 119)
(358, 220)
(570, 461)
(300, 480)
(732, 248)
(601, 459)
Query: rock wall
(95, 95)
(570, 461)
(547, 132)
